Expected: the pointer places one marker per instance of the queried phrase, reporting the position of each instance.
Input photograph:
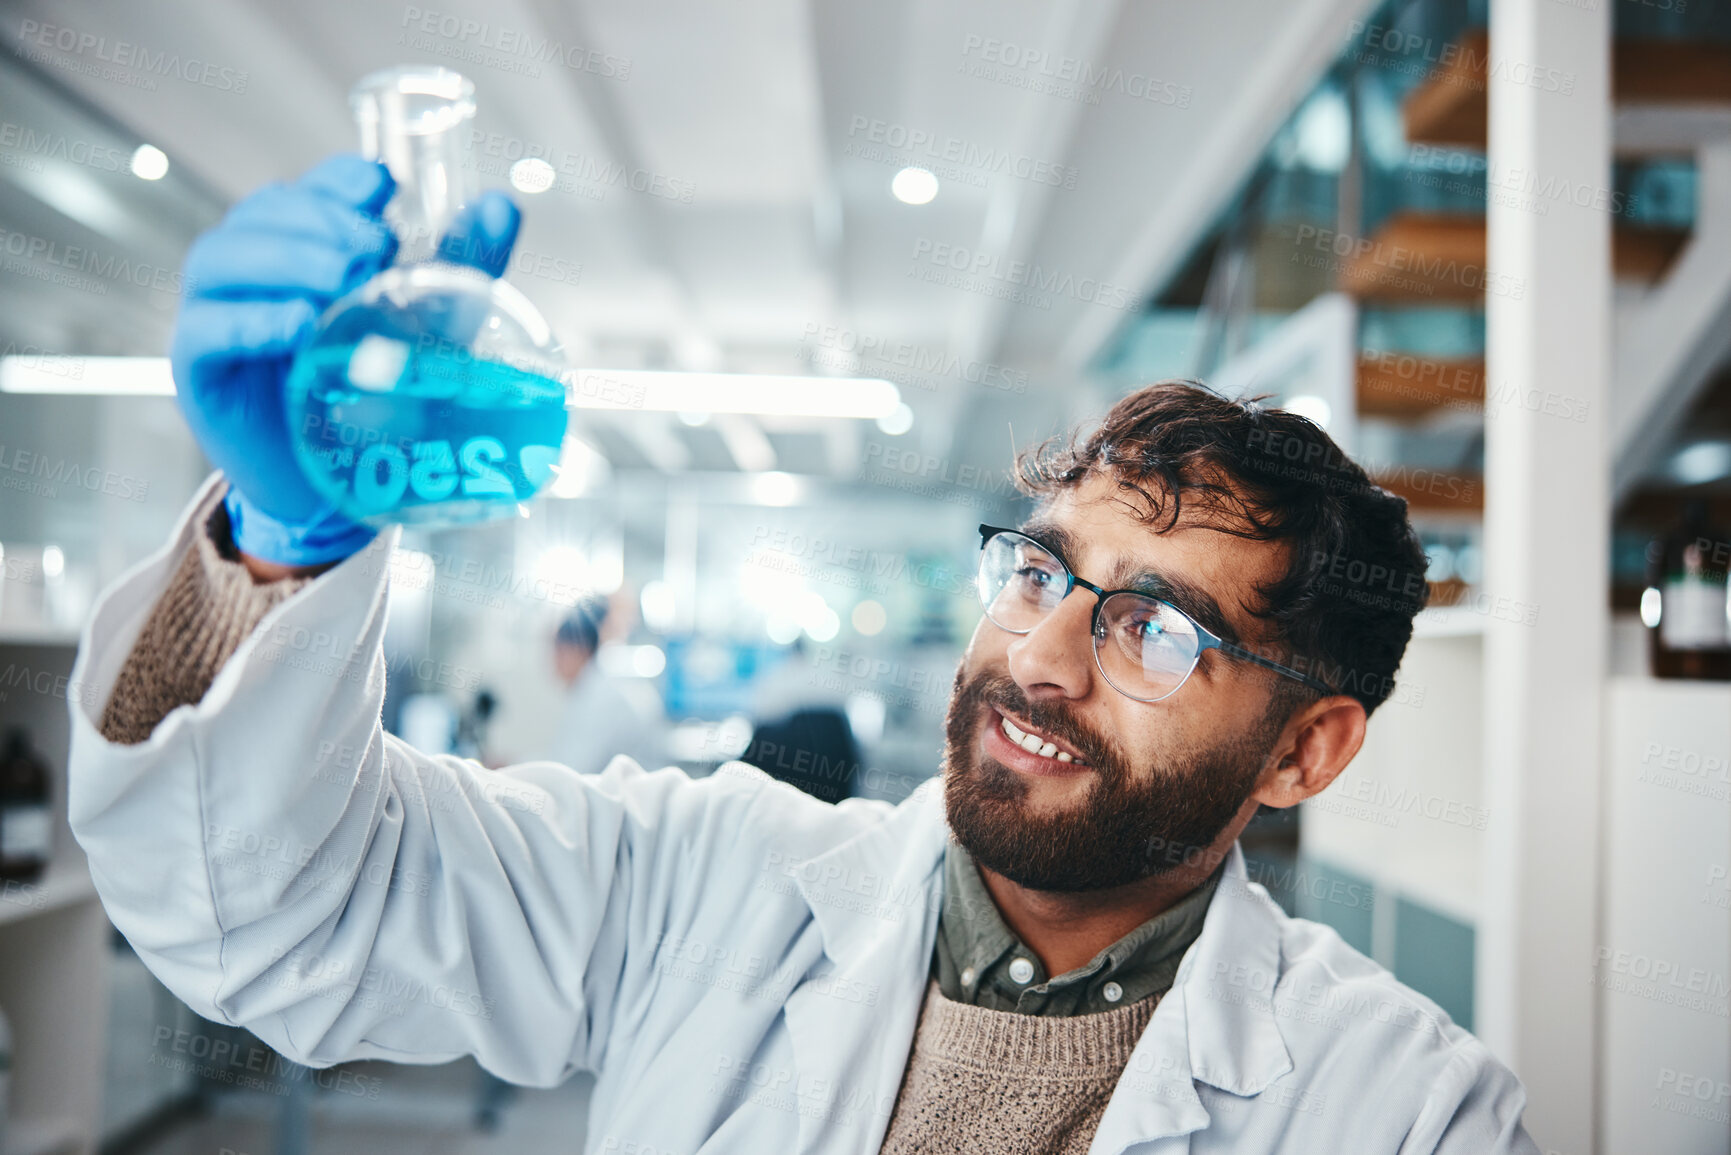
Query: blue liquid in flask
(417, 430)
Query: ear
(1314, 747)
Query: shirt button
(1113, 992)
(968, 977)
(1021, 970)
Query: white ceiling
(755, 107)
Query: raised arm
(280, 862)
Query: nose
(1055, 659)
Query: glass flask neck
(415, 119)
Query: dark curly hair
(1343, 610)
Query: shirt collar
(1142, 962)
(1219, 1014)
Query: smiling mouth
(1036, 743)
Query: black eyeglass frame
(1208, 638)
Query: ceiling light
(660, 607)
(898, 421)
(755, 393)
(1310, 406)
(822, 625)
(532, 175)
(914, 186)
(149, 162)
(1323, 131)
(775, 488)
(622, 661)
(32, 373)
(765, 395)
(869, 618)
(1701, 462)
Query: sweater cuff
(209, 608)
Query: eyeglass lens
(1145, 647)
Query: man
(1084, 967)
(601, 719)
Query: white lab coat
(741, 964)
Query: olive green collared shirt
(980, 961)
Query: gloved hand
(257, 284)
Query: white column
(1547, 524)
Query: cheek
(988, 646)
(1157, 734)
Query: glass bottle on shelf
(433, 393)
(26, 813)
(1685, 605)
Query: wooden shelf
(1422, 258)
(1670, 72)
(1450, 107)
(1401, 385)
(1435, 490)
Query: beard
(1135, 822)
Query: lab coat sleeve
(282, 863)
(1474, 1109)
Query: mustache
(1003, 693)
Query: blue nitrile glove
(256, 286)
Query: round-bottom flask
(430, 394)
(433, 393)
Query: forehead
(1110, 544)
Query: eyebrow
(1127, 575)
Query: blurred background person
(603, 716)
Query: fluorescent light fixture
(149, 162)
(754, 393)
(914, 186)
(757, 394)
(775, 488)
(131, 376)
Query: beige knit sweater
(210, 606)
(984, 1082)
(978, 1081)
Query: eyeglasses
(1145, 647)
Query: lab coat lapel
(875, 899)
(1215, 1025)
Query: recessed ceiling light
(532, 175)
(1310, 406)
(775, 488)
(149, 162)
(914, 186)
(897, 421)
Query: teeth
(1033, 744)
